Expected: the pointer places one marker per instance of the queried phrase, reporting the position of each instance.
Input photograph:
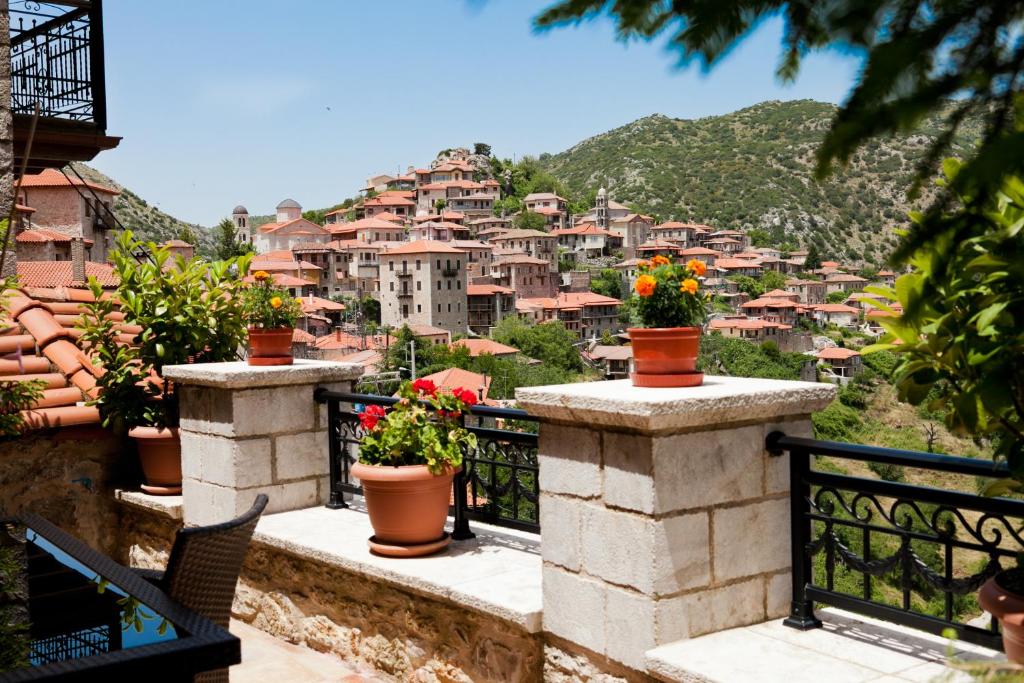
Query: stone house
(539, 245)
(615, 361)
(703, 254)
(844, 282)
(396, 203)
(527, 276)
(424, 283)
(555, 209)
(67, 205)
(836, 314)
(288, 229)
(735, 266)
(488, 305)
(844, 363)
(809, 291)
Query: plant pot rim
(399, 472)
(253, 328)
(151, 432)
(643, 330)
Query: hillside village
(436, 251)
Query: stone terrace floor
(266, 659)
(849, 648)
(499, 573)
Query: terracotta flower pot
(270, 347)
(160, 454)
(665, 356)
(407, 506)
(1008, 608)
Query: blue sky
(252, 101)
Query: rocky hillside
(146, 221)
(753, 168)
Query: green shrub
(836, 422)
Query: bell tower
(240, 217)
(602, 209)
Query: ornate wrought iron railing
(904, 553)
(499, 479)
(57, 60)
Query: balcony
(450, 272)
(57, 64)
(405, 294)
(403, 274)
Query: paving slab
(266, 659)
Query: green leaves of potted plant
(672, 310)
(271, 313)
(187, 312)
(407, 460)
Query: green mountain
(146, 221)
(754, 169)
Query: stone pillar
(247, 430)
(78, 260)
(10, 264)
(662, 515)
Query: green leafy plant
(423, 428)
(268, 307)
(188, 311)
(962, 323)
(667, 293)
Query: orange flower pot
(408, 507)
(1008, 608)
(160, 455)
(665, 356)
(270, 347)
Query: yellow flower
(275, 302)
(660, 260)
(298, 300)
(261, 275)
(698, 268)
(645, 285)
(689, 286)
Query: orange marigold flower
(689, 286)
(645, 285)
(275, 302)
(660, 260)
(698, 268)
(261, 275)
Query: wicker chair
(203, 569)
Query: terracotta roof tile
(51, 177)
(480, 346)
(59, 273)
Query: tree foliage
(226, 245)
(530, 220)
(813, 259)
(919, 56)
(963, 320)
(607, 282)
(549, 342)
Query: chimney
(337, 334)
(78, 260)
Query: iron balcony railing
(498, 483)
(57, 60)
(904, 553)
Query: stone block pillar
(247, 430)
(662, 515)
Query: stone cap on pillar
(241, 375)
(719, 401)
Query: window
(392, 286)
(439, 308)
(417, 264)
(449, 308)
(458, 284)
(460, 308)
(458, 263)
(439, 264)
(405, 311)
(391, 266)
(419, 309)
(447, 264)
(419, 286)
(405, 265)
(439, 285)
(449, 284)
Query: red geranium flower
(466, 396)
(424, 386)
(369, 417)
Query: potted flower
(188, 312)
(270, 313)
(672, 310)
(408, 457)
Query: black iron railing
(499, 479)
(57, 60)
(909, 554)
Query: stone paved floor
(848, 649)
(266, 659)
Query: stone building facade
(424, 283)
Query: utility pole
(412, 352)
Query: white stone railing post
(662, 515)
(247, 430)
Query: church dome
(240, 209)
(289, 204)
(602, 192)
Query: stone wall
(395, 633)
(68, 476)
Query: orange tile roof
(389, 201)
(837, 353)
(699, 251)
(51, 177)
(746, 324)
(728, 263)
(302, 337)
(480, 346)
(59, 274)
(835, 308)
(487, 290)
(457, 378)
(42, 235)
(422, 247)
